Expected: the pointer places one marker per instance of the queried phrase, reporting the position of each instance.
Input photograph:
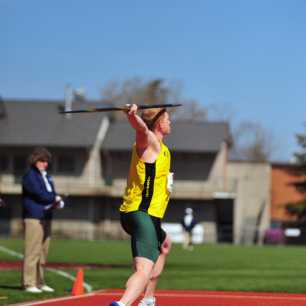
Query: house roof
(31, 123)
(184, 137)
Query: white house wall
(253, 192)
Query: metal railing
(213, 188)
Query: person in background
(39, 199)
(2, 203)
(188, 224)
(145, 202)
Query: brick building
(283, 176)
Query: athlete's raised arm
(135, 120)
(144, 136)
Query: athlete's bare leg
(158, 268)
(138, 281)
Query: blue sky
(247, 57)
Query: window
(4, 163)
(19, 164)
(66, 164)
(50, 168)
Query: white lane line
(55, 271)
(105, 292)
(10, 252)
(45, 302)
(221, 295)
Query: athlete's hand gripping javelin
(136, 121)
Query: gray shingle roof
(184, 137)
(31, 123)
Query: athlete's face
(165, 124)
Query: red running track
(183, 298)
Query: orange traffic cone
(78, 286)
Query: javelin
(120, 108)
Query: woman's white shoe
(46, 288)
(33, 289)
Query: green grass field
(208, 267)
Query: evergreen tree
(299, 208)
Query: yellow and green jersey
(147, 184)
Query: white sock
(149, 300)
(120, 303)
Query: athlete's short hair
(152, 115)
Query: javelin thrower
(145, 201)
(146, 198)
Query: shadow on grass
(86, 265)
(65, 265)
(19, 288)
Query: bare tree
(156, 91)
(253, 142)
(193, 112)
(221, 112)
